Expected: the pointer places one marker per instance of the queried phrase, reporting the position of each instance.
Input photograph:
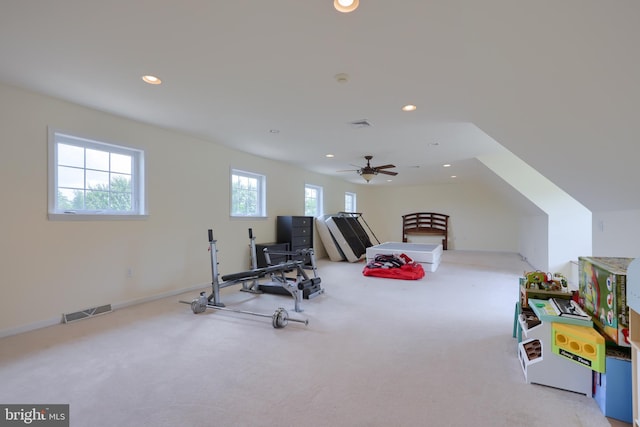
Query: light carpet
(377, 352)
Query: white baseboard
(172, 293)
(59, 319)
(31, 327)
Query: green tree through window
(247, 194)
(117, 197)
(94, 178)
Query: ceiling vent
(359, 124)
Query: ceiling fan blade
(388, 173)
(384, 167)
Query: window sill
(95, 217)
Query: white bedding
(428, 255)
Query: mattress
(346, 237)
(330, 244)
(428, 255)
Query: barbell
(279, 319)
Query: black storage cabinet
(297, 231)
(261, 260)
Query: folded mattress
(328, 241)
(350, 237)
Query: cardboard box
(602, 290)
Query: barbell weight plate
(285, 317)
(196, 307)
(280, 318)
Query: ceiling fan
(368, 171)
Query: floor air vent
(85, 314)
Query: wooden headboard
(426, 223)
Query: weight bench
(278, 285)
(293, 287)
(259, 272)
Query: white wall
(53, 267)
(534, 240)
(616, 234)
(479, 219)
(569, 222)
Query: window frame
(261, 193)
(354, 198)
(138, 179)
(320, 202)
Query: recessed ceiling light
(409, 107)
(329, 155)
(341, 77)
(152, 80)
(346, 6)
(446, 165)
(453, 176)
(389, 180)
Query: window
(312, 200)
(350, 202)
(88, 177)
(247, 194)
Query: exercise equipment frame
(294, 287)
(279, 319)
(310, 286)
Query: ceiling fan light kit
(367, 175)
(368, 172)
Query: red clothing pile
(394, 267)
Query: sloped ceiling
(556, 83)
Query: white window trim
(262, 193)
(355, 200)
(138, 173)
(320, 190)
